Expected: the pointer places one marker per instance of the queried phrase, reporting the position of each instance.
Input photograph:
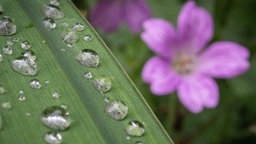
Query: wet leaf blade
(65, 75)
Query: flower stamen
(183, 63)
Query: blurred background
(234, 119)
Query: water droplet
(88, 58)
(6, 26)
(2, 90)
(9, 43)
(35, 84)
(56, 118)
(63, 49)
(128, 137)
(78, 27)
(55, 2)
(117, 110)
(139, 142)
(49, 23)
(64, 24)
(15, 39)
(25, 66)
(106, 99)
(88, 75)
(135, 128)
(6, 105)
(87, 38)
(102, 84)
(28, 114)
(53, 138)
(25, 45)
(70, 37)
(29, 55)
(22, 96)
(53, 11)
(7, 50)
(47, 82)
(70, 45)
(56, 95)
(1, 57)
(64, 106)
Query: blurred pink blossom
(184, 64)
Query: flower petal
(136, 12)
(159, 74)
(198, 92)
(195, 26)
(224, 60)
(107, 15)
(159, 36)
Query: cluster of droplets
(115, 109)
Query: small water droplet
(1, 57)
(55, 2)
(15, 39)
(88, 58)
(78, 27)
(2, 90)
(128, 137)
(117, 110)
(135, 128)
(64, 24)
(53, 138)
(64, 106)
(22, 96)
(70, 37)
(56, 95)
(25, 45)
(70, 45)
(49, 23)
(9, 43)
(6, 105)
(29, 55)
(139, 142)
(63, 50)
(106, 99)
(87, 38)
(53, 11)
(43, 41)
(25, 66)
(102, 84)
(35, 84)
(47, 82)
(56, 118)
(6, 26)
(28, 114)
(88, 75)
(7, 50)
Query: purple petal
(159, 36)
(107, 15)
(158, 73)
(195, 26)
(224, 60)
(136, 11)
(198, 92)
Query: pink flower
(182, 62)
(109, 14)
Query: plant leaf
(59, 71)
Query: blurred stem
(171, 114)
(82, 5)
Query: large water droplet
(6, 105)
(70, 37)
(55, 2)
(87, 38)
(135, 128)
(53, 138)
(7, 50)
(88, 58)
(88, 75)
(102, 84)
(22, 96)
(116, 109)
(25, 45)
(56, 118)
(25, 66)
(49, 23)
(1, 57)
(6, 26)
(56, 95)
(78, 27)
(35, 84)
(2, 90)
(53, 11)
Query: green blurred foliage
(234, 120)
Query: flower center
(183, 63)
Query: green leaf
(60, 72)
